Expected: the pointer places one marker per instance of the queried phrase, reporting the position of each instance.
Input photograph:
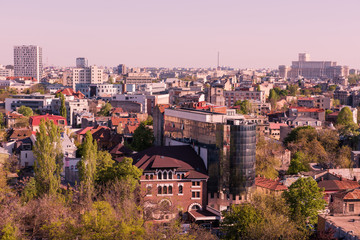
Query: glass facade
(242, 158)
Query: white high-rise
(28, 61)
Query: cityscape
(166, 138)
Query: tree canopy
(305, 200)
(62, 106)
(26, 111)
(105, 110)
(143, 138)
(245, 106)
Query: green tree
(105, 110)
(62, 106)
(245, 106)
(273, 98)
(336, 102)
(9, 232)
(48, 163)
(258, 88)
(332, 88)
(266, 161)
(298, 164)
(2, 122)
(111, 80)
(29, 191)
(87, 165)
(305, 200)
(238, 221)
(26, 111)
(293, 89)
(143, 138)
(345, 117)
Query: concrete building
(313, 69)
(92, 75)
(232, 96)
(72, 105)
(6, 71)
(220, 140)
(35, 101)
(99, 90)
(81, 62)
(121, 68)
(28, 62)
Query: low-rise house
(346, 202)
(269, 186)
(334, 186)
(11, 118)
(36, 120)
(274, 129)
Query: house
(346, 202)
(175, 174)
(269, 186)
(274, 129)
(334, 186)
(119, 150)
(36, 120)
(71, 92)
(18, 133)
(11, 118)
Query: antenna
(218, 59)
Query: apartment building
(28, 61)
(35, 101)
(92, 75)
(232, 96)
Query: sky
(183, 33)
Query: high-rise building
(122, 69)
(28, 61)
(81, 62)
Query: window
(148, 190)
(170, 175)
(146, 177)
(180, 189)
(159, 175)
(182, 175)
(164, 190)
(178, 176)
(195, 207)
(170, 189)
(351, 207)
(197, 194)
(159, 189)
(193, 194)
(165, 175)
(151, 176)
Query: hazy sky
(252, 33)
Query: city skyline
(185, 34)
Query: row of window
(164, 176)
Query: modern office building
(81, 62)
(37, 102)
(225, 142)
(28, 61)
(306, 68)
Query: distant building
(122, 69)
(312, 69)
(7, 71)
(81, 62)
(35, 101)
(28, 62)
(91, 74)
(36, 120)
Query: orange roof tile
(270, 184)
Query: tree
(336, 102)
(345, 117)
(105, 110)
(48, 163)
(273, 98)
(305, 200)
(332, 88)
(111, 80)
(87, 165)
(26, 111)
(293, 89)
(298, 164)
(2, 120)
(266, 161)
(149, 121)
(240, 219)
(143, 138)
(245, 106)
(62, 106)
(258, 88)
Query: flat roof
(348, 223)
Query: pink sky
(184, 33)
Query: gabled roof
(353, 194)
(120, 149)
(19, 133)
(338, 185)
(183, 158)
(71, 92)
(84, 130)
(305, 109)
(270, 184)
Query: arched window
(180, 189)
(195, 207)
(159, 175)
(159, 189)
(165, 190)
(170, 175)
(178, 176)
(170, 189)
(182, 175)
(165, 175)
(146, 177)
(151, 176)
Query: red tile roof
(183, 158)
(71, 92)
(276, 125)
(84, 130)
(353, 194)
(14, 115)
(120, 149)
(270, 184)
(337, 185)
(35, 120)
(115, 121)
(305, 109)
(306, 98)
